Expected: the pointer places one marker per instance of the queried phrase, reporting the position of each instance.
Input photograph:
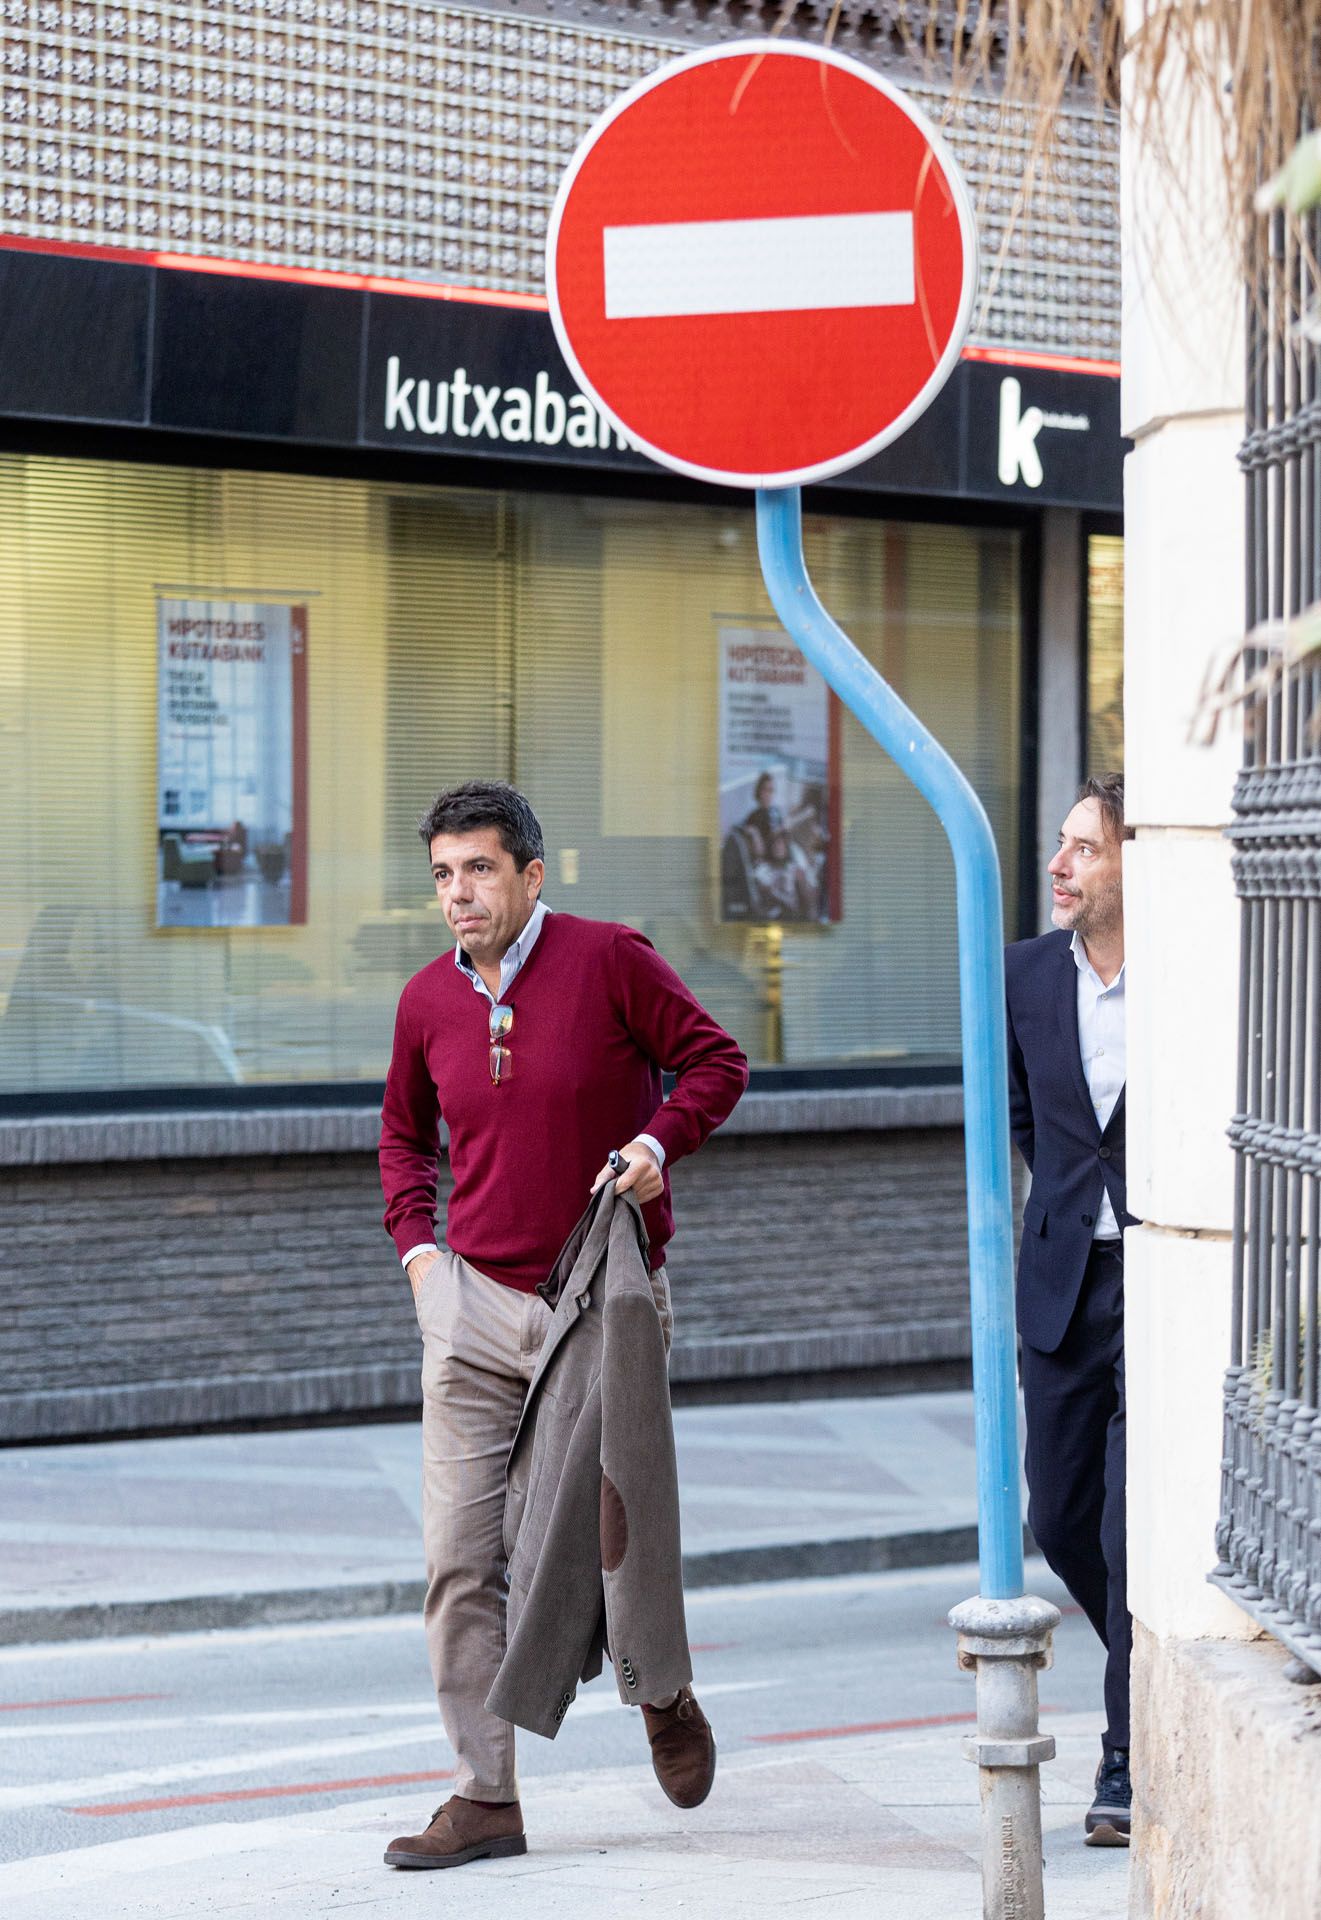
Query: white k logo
(1018, 437)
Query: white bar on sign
(690, 267)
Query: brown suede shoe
(683, 1749)
(461, 1831)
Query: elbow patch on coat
(614, 1526)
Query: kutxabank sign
(216, 355)
(761, 264)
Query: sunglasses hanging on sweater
(501, 1055)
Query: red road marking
(865, 1726)
(875, 1726)
(264, 1793)
(92, 1700)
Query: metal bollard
(1006, 1643)
(1005, 1636)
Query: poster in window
(779, 782)
(231, 763)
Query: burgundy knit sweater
(597, 1015)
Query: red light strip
(260, 270)
(1044, 362)
(435, 290)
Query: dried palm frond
(1253, 66)
(1245, 673)
(1248, 69)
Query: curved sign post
(761, 265)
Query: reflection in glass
(572, 644)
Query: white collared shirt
(1101, 1044)
(515, 958)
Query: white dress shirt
(515, 957)
(1101, 1043)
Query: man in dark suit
(1065, 994)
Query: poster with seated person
(779, 782)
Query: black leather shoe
(1108, 1817)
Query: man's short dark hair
(1107, 789)
(486, 803)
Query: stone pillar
(1183, 501)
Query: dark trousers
(1074, 1402)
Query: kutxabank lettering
(464, 409)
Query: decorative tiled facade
(425, 141)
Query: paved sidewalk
(876, 1824)
(233, 1529)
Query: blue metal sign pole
(1004, 1635)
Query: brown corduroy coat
(592, 1502)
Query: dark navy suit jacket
(1051, 1116)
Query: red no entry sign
(761, 263)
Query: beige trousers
(480, 1343)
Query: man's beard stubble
(1102, 914)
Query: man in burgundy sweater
(540, 1039)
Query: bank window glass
(214, 879)
(1105, 652)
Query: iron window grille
(1269, 1532)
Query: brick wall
(167, 1292)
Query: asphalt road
(113, 1739)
